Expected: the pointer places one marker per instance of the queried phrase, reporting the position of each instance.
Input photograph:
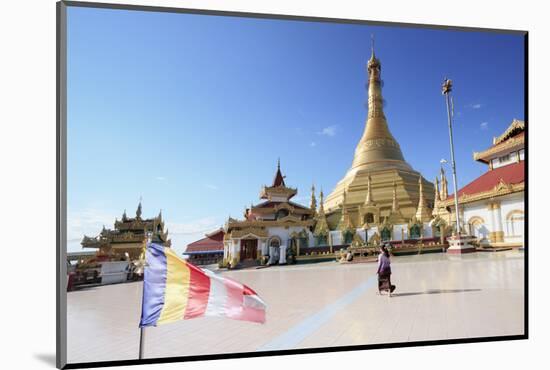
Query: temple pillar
(282, 254)
(263, 247)
(497, 234)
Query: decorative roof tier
(513, 138)
(506, 179)
(278, 191)
(129, 233)
(276, 211)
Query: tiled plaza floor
(317, 305)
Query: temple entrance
(385, 235)
(249, 249)
(415, 232)
(274, 250)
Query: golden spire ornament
(313, 202)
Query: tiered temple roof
(276, 210)
(512, 138)
(129, 234)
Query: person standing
(384, 271)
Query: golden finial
(138, 210)
(447, 86)
(373, 62)
(313, 202)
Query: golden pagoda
(378, 170)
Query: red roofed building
(492, 206)
(208, 250)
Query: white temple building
(492, 206)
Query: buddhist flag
(174, 289)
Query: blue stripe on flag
(154, 284)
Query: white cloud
(88, 221)
(328, 131)
(201, 225)
(301, 200)
(484, 125)
(183, 233)
(211, 187)
(475, 105)
(160, 178)
(313, 143)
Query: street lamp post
(458, 244)
(447, 88)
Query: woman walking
(384, 271)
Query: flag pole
(147, 241)
(141, 338)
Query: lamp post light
(458, 244)
(447, 88)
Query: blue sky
(191, 112)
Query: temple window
(514, 223)
(477, 228)
(281, 213)
(369, 218)
(321, 240)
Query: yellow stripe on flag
(176, 293)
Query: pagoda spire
(321, 225)
(345, 220)
(422, 212)
(377, 143)
(444, 192)
(138, 210)
(279, 179)
(375, 101)
(313, 202)
(437, 198)
(396, 217)
(321, 207)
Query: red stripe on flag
(252, 314)
(248, 291)
(199, 289)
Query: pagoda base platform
(382, 180)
